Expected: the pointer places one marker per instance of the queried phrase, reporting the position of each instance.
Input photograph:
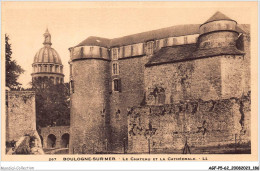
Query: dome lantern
(47, 38)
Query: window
(165, 42)
(45, 68)
(100, 51)
(185, 40)
(57, 80)
(115, 53)
(115, 69)
(117, 85)
(132, 50)
(157, 44)
(52, 79)
(50, 68)
(149, 48)
(61, 69)
(91, 49)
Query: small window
(115, 53)
(50, 68)
(132, 50)
(115, 69)
(117, 85)
(57, 80)
(100, 51)
(150, 48)
(61, 69)
(157, 44)
(165, 42)
(185, 40)
(91, 49)
(52, 79)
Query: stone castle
(161, 88)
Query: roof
(47, 55)
(188, 52)
(231, 50)
(173, 31)
(95, 41)
(218, 16)
(172, 54)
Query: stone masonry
(21, 117)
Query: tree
(52, 103)
(13, 70)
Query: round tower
(218, 31)
(218, 39)
(47, 63)
(89, 82)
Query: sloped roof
(173, 31)
(188, 52)
(231, 50)
(95, 41)
(172, 54)
(218, 16)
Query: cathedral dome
(47, 55)
(47, 62)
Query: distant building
(47, 63)
(168, 66)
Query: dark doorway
(51, 141)
(65, 140)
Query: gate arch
(65, 140)
(51, 141)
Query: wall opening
(65, 140)
(51, 141)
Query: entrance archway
(51, 141)
(65, 140)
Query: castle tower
(47, 62)
(89, 74)
(218, 38)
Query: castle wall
(57, 131)
(21, 117)
(243, 43)
(232, 76)
(89, 106)
(206, 125)
(132, 93)
(169, 83)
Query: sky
(69, 23)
